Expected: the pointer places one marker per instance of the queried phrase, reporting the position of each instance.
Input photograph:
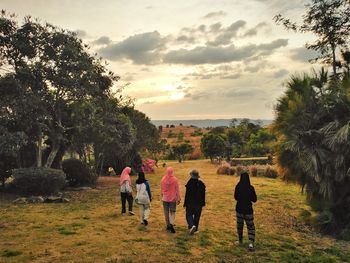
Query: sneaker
(239, 243)
(192, 230)
(251, 246)
(123, 214)
(145, 222)
(131, 213)
(171, 229)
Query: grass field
(90, 229)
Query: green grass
(10, 253)
(90, 229)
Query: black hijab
(141, 178)
(244, 182)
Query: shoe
(131, 213)
(145, 222)
(239, 243)
(172, 230)
(123, 214)
(251, 246)
(192, 230)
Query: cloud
(128, 76)
(148, 102)
(254, 31)
(186, 39)
(243, 93)
(104, 40)
(218, 55)
(140, 48)
(214, 15)
(224, 38)
(215, 27)
(280, 73)
(80, 33)
(303, 54)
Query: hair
(141, 178)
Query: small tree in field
(181, 150)
(213, 145)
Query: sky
(188, 59)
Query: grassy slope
(90, 230)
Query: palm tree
(313, 125)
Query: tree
(313, 127)
(213, 145)
(181, 150)
(329, 20)
(48, 71)
(10, 143)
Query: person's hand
(178, 202)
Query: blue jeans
(193, 214)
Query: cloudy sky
(187, 59)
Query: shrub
(239, 169)
(231, 171)
(223, 170)
(77, 173)
(271, 172)
(226, 170)
(38, 180)
(253, 171)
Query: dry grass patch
(90, 229)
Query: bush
(254, 171)
(38, 180)
(239, 169)
(271, 172)
(226, 170)
(77, 173)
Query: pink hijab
(125, 176)
(170, 187)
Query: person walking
(194, 201)
(245, 195)
(171, 197)
(126, 190)
(143, 197)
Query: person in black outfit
(245, 195)
(194, 201)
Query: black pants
(193, 214)
(124, 197)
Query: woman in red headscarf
(170, 196)
(126, 190)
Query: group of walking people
(194, 201)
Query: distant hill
(204, 123)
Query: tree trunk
(334, 62)
(39, 162)
(102, 162)
(52, 155)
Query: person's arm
(148, 188)
(236, 193)
(177, 188)
(128, 187)
(203, 194)
(253, 197)
(186, 198)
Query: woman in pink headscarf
(170, 196)
(126, 190)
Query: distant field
(195, 141)
(90, 229)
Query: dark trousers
(249, 220)
(193, 214)
(124, 197)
